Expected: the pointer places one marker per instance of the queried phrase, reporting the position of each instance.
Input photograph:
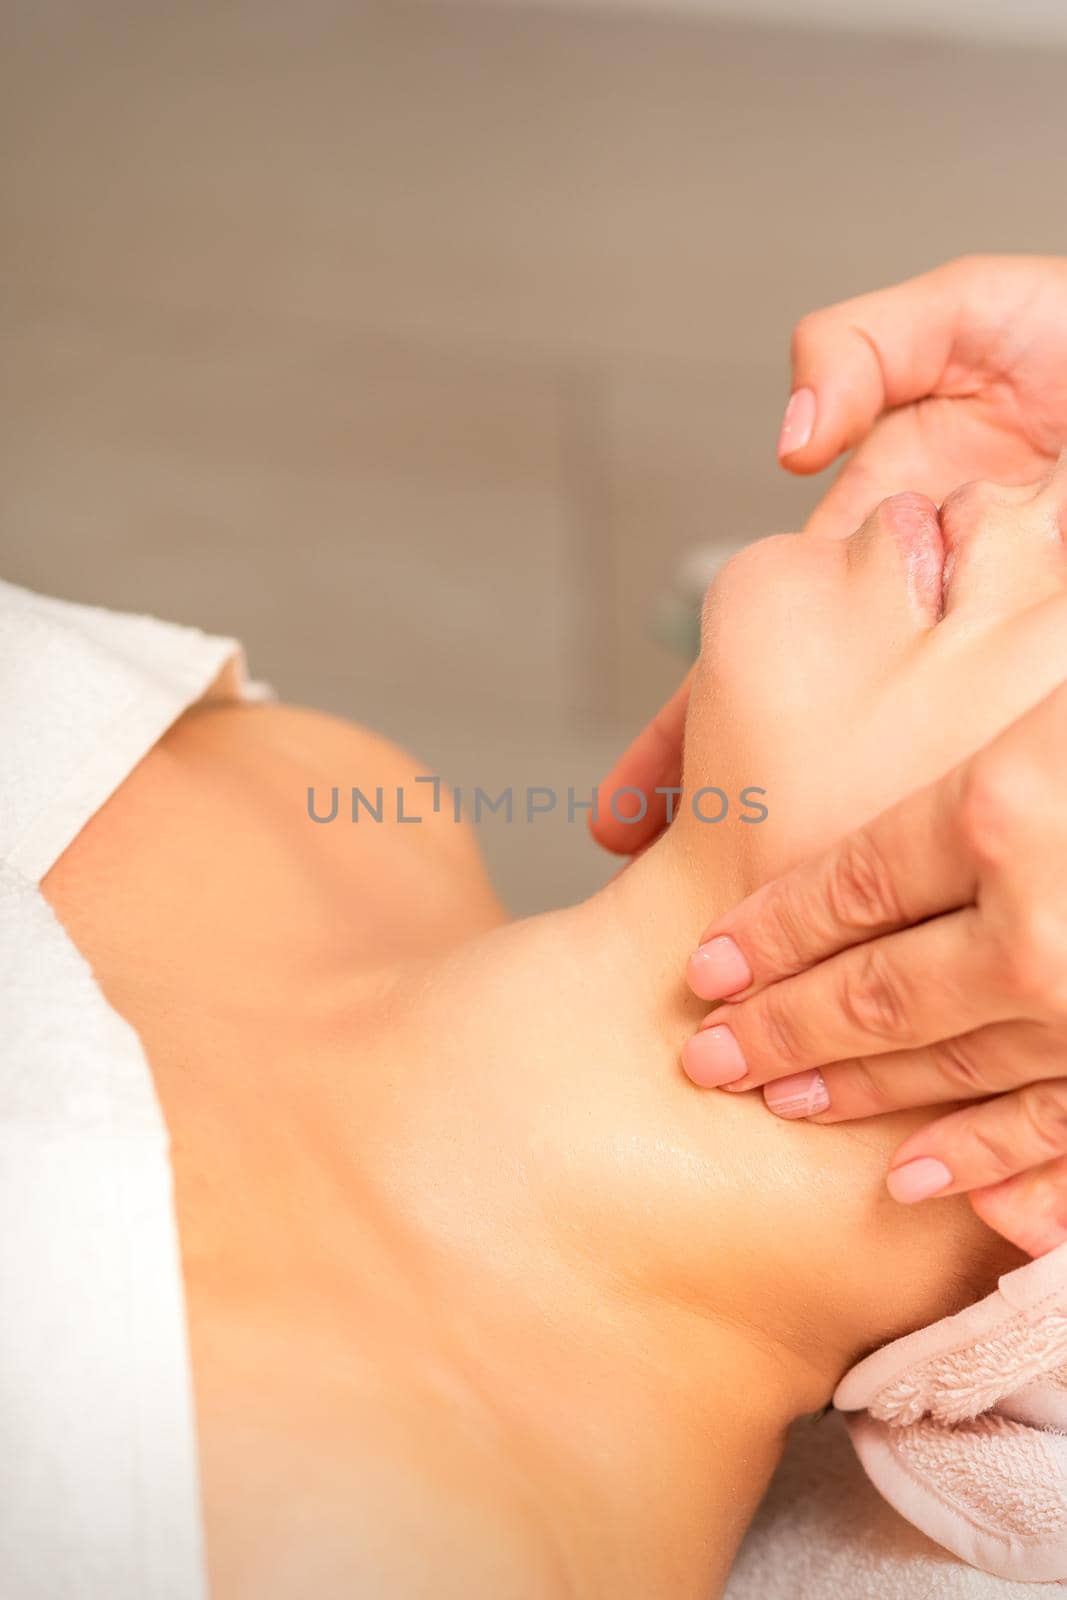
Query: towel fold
(962, 1426)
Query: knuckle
(992, 1151)
(861, 890)
(1031, 965)
(870, 1087)
(871, 998)
(989, 816)
(781, 1037)
(783, 929)
(966, 1066)
(960, 272)
(806, 333)
(1044, 1106)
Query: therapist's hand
(955, 375)
(923, 961)
(958, 374)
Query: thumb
(855, 360)
(895, 454)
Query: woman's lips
(915, 524)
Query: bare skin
(483, 1296)
(953, 377)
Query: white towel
(823, 1532)
(99, 1494)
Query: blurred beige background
(414, 343)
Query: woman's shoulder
(209, 849)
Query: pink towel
(962, 1426)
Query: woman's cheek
(786, 707)
(755, 775)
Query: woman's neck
(578, 1209)
(463, 1250)
(650, 1281)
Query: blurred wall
(413, 343)
(965, 19)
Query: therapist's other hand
(958, 374)
(922, 961)
(651, 767)
(955, 375)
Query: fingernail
(798, 424)
(803, 1094)
(717, 969)
(713, 1057)
(918, 1180)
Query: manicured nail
(803, 1094)
(918, 1180)
(798, 424)
(713, 1057)
(717, 969)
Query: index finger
(908, 864)
(866, 356)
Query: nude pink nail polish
(802, 1094)
(713, 1057)
(798, 424)
(718, 969)
(918, 1180)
